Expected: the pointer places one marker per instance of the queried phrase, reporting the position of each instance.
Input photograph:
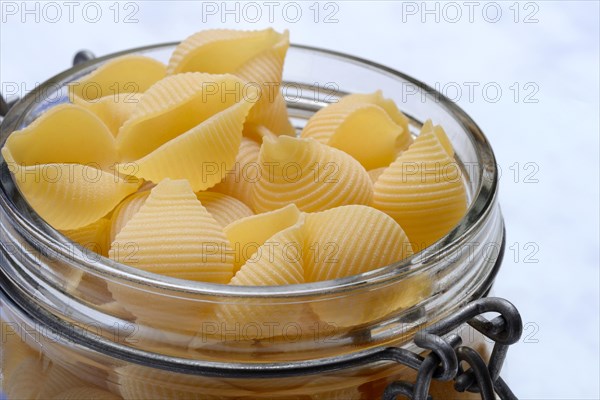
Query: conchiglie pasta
(366, 126)
(309, 174)
(66, 133)
(390, 108)
(351, 240)
(255, 56)
(423, 189)
(375, 173)
(113, 110)
(36, 380)
(86, 393)
(93, 236)
(125, 211)
(136, 382)
(71, 196)
(187, 126)
(248, 234)
(127, 74)
(225, 209)
(14, 349)
(173, 234)
(245, 172)
(278, 261)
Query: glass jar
(71, 318)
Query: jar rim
(481, 205)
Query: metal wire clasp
(446, 353)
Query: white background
(549, 49)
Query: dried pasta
(66, 133)
(71, 196)
(35, 380)
(309, 174)
(93, 237)
(136, 382)
(238, 181)
(185, 127)
(125, 211)
(338, 250)
(278, 261)
(366, 126)
(224, 209)
(127, 74)
(113, 110)
(173, 234)
(248, 234)
(255, 56)
(86, 393)
(423, 189)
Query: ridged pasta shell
(278, 261)
(86, 393)
(173, 234)
(245, 172)
(113, 110)
(66, 133)
(350, 240)
(35, 380)
(423, 189)
(275, 263)
(248, 234)
(127, 74)
(310, 174)
(71, 196)
(125, 211)
(14, 349)
(224, 209)
(187, 126)
(255, 56)
(137, 382)
(93, 236)
(367, 126)
(375, 173)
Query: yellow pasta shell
(248, 234)
(423, 189)
(225, 209)
(278, 261)
(66, 133)
(181, 131)
(136, 383)
(374, 173)
(86, 393)
(310, 174)
(127, 74)
(388, 105)
(93, 236)
(113, 110)
(125, 211)
(366, 126)
(255, 56)
(245, 172)
(14, 349)
(350, 240)
(71, 196)
(173, 234)
(36, 379)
